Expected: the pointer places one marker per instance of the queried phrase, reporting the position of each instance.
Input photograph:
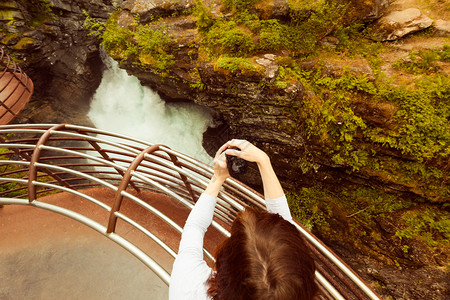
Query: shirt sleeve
(279, 206)
(190, 272)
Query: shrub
(202, 13)
(227, 38)
(148, 45)
(306, 205)
(271, 35)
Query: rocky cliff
(50, 42)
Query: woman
(265, 257)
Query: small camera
(236, 165)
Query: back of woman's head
(265, 258)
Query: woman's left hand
(220, 166)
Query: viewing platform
(16, 89)
(93, 214)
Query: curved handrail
(46, 158)
(16, 88)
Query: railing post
(123, 186)
(32, 174)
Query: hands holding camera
(249, 152)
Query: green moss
(117, 41)
(244, 33)
(419, 127)
(271, 35)
(424, 130)
(23, 43)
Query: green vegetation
(147, 45)
(42, 11)
(424, 61)
(96, 28)
(226, 38)
(244, 33)
(306, 206)
(421, 113)
(202, 13)
(431, 225)
(239, 4)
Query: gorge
(357, 124)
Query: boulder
(442, 27)
(397, 24)
(151, 10)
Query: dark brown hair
(265, 258)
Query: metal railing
(39, 159)
(16, 88)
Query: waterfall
(122, 105)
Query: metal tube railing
(112, 161)
(16, 88)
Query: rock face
(53, 47)
(247, 103)
(442, 27)
(397, 24)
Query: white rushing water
(122, 105)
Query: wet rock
(397, 24)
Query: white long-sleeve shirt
(190, 272)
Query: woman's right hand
(247, 151)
